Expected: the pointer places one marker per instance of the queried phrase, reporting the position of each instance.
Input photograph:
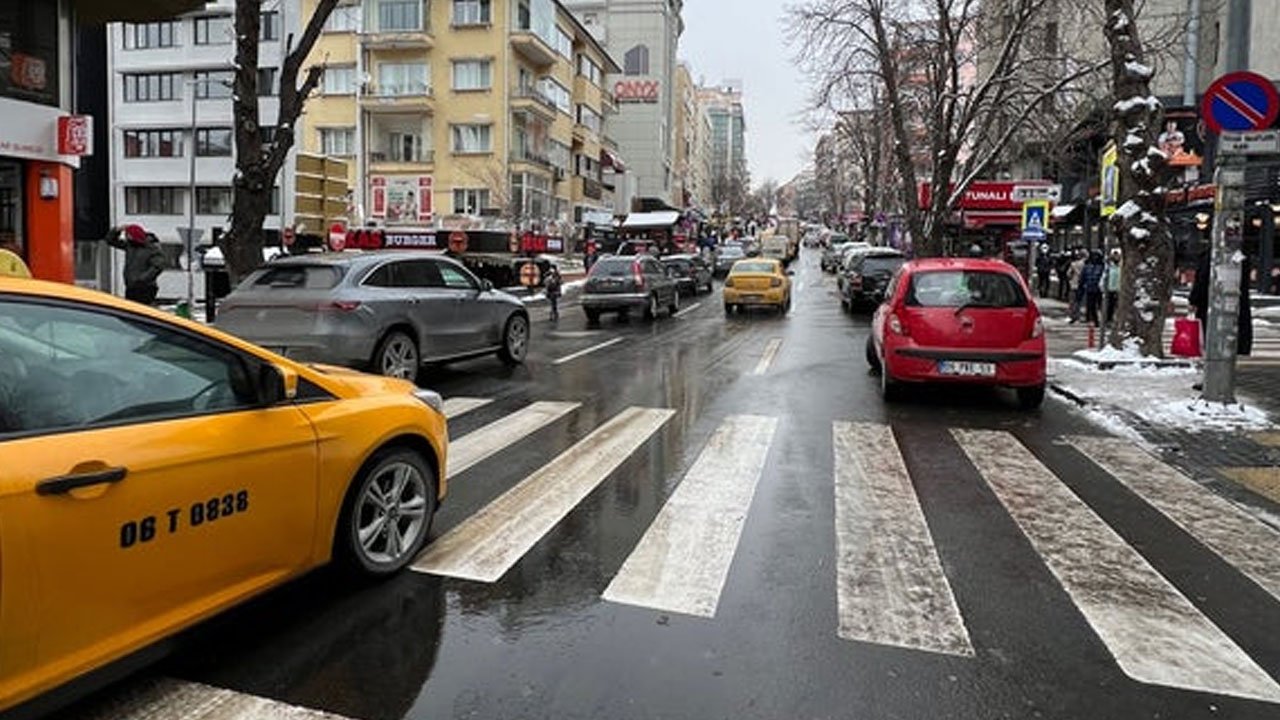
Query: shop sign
(989, 194)
(75, 135)
(636, 91)
(421, 240)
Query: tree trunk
(1146, 278)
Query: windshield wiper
(974, 304)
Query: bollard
(1092, 327)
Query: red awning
(979, 219)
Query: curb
(1064, 392)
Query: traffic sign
(1240, 101)
(1023, 193)
(530, 276)
(1035, 217)
(1262, 142)
(457, 242)
(337, 237)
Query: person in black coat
(1199, 300)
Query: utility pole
(1227, 254)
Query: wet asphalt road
(542, 643)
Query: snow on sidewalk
(1160, 396)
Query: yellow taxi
(154, 472)
(755, 282)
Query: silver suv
(622, 284)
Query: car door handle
(67, 483)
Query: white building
(167, 77)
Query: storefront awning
(662, 219)
(93, 12)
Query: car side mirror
(486, 286)
(276, 384)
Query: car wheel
(397, 356)
(674, 307)
(872, 359)
(890, 390)
(387, 514)
(1030, 398)
(651, 310)
(515, 340)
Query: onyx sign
(636, 91)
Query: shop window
(213, 142)
(152, 143)
(150, 87)
(152, 201)
(29, 46)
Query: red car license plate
(966, 368)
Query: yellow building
(462, 107)
(692, 143)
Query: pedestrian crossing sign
(1035, 217)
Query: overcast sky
(746, 39)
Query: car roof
(680, 257)
(983, 264)
(771, 261)
(357, 258)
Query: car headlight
(431, 398)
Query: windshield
(879, 265)
(300, 277)
(970, 288)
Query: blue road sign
(1240, 102)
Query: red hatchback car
(954, 320)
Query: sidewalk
(1234, 450)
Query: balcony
(532, 100)
(527, 159)
(533, 48)
(387, 161)
(409, 97)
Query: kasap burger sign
(636, 91)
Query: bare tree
(947, 116)
(257, 163)
(1146, 280)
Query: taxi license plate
(752, 297)
(973, 369)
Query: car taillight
(342, 305)
(897, 326)
(775, 282)
(639, 276)
(728, 282)
(1037, 328)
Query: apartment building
(692, 143)
(170, 114)
(723, 105)
(464, 107)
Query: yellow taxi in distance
(154, 472)
(757, 281)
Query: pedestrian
(552, 287)
(1044, 268)
(143, 262)
(1199, 301)
(1076, 289)
(1091, 285)
(1062, 264)
(1111, 285)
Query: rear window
(731, 250)
(677, 264)
(874, 265)
(754, 267)
(973, 288)
(612, 267)
(299, 277)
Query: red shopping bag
(1186, 337)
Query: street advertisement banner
(1110, 180)
(401, 199)
(1182, 137)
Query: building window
(399, 15)
(141, 36)
(588, 69)
(150, 87)
(152, 201)
(213, 201)
(339, 81)
(470, 201)
(404, 147)
(266, 134)
(338, 141)
(403, 79)
(213, 142)
(269, 27)
(636, 61)
(344, 18)
(213, 84)
(472, 75)
(267, 82)
(557, 94)
(590, 118)
(274, 209)
(472, 138)
(217, 30)
(471, 12)
(564, 44)
(152, 143)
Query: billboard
(403, 199)
(1110, 180)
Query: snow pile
(1130, 353)
(1160, 395)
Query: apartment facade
(692, 143)
(463, 108)
(643, 35)
(172, 147)
(724, 109)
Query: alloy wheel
(391, 515)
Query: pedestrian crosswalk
(891, 586)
